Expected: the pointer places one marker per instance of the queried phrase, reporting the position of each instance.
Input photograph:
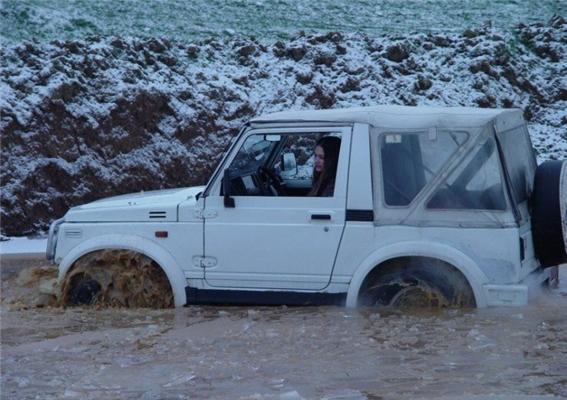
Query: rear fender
(446, 253)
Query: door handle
(321, 217)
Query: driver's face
(319, 159)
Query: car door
(270, 240)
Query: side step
(259, 297)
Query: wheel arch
(443, 252)
(137, 244)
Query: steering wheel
(270, 179)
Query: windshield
(253, 154)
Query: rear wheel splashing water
(417, 282)
(116, 278)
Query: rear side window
(477, 185)
(411, 160)
(519, 159)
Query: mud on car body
(431, 206)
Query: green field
(265, 19)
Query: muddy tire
(83, 290)
(416, 283)
(116, 278)
(549, 219)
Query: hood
(154, 206)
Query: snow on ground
(22, 247)
(91, 118)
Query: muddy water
(281, 353)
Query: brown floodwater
(288, 353)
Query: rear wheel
(116, 278)
(411, 282)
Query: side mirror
(289, 164)
(228, 201)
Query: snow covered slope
(103, 116)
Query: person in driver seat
(325, 166)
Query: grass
(264, 19)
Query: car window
(275, 165)
(519, 159)
(411, 160)
(253, 153)
(478, 185)
(301, 146)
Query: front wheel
(116, 278)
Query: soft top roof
(404, 117)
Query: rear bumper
(518, 294)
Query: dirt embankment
(81, 120)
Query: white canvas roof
(404, 117)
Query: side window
(519, 160)
(295, 165)
(285, 165)
(476, 186)
(411, 160)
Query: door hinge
(204, 262)
(205, 214)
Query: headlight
(52, 239)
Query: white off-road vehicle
(431, 206)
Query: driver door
(273, 238)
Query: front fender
(134, 243)
(449, 254)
